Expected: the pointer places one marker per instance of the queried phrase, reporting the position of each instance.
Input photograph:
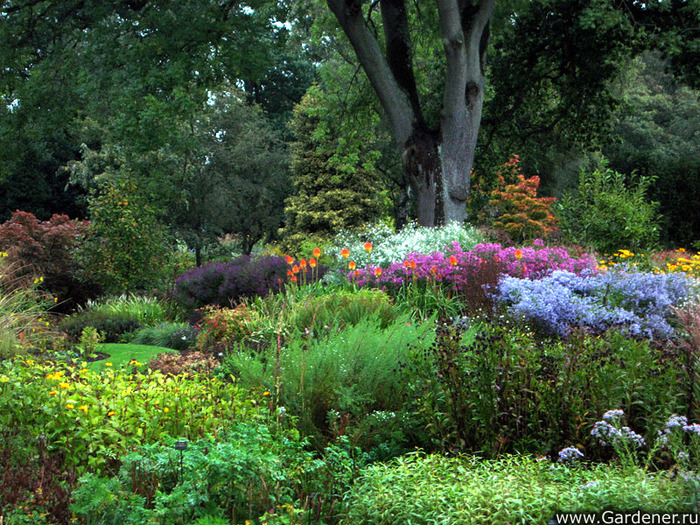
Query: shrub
(336, 382)
(249, 470)
(636, 302)
(148, 310)
(518, 490)
(226, 283)
(496, 389)
(608, 211)
(92, 418)
(222, 328)
(125, 249)
(44, 249)
(178, 336)
(112, 325)
(515, 209)
(340, 309)
(189, 364)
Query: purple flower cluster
(638, 303)
(457, 267)
(224, 283)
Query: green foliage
(656, 136)
(93, 418)
(178, 336)
(514, 490)
(498, 389)
(317, 313)
(90, 338)
(125, 250)
(112, 325)
(328, 195)
(609, 211)
(147, 309)
(345, 382)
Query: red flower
(289, 258)
(453, 260)
(377, 271)
(368, 247)
(352, 265)
(312, 262)
(317, 252)
(344, 253)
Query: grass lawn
(121, 354)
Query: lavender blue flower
(676, 421)
(569, 454)
(613, 415)
(637, 303)
(693, 429)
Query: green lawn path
(121, 354)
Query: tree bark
(437, 162)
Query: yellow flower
(30, 362)
(64, 386)
(70, 406)
(4, 379)
(266, 393)
(84, 371)
(108, 364)
(111, 413)
(166, 410)
(53, 393)
(83, 408)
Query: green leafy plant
(608, 211)
(513, 489)
(90, 339)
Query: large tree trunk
(437, 162)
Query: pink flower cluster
(457, 267)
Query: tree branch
(392, 98)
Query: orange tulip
(317, 252)
(518, 254)
(407, 264)
(295, 269)
(290, 273)
(294, 278)
(412, 263)
(302, 263)
(433, 271)
(453, 260)
(289, 258)
(352, 265)
(368, 247)
(344, 253)
(377, 271)
(312, 262)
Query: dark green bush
(497, 389)
(113, 325)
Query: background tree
(657, 137)
(331, 191)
